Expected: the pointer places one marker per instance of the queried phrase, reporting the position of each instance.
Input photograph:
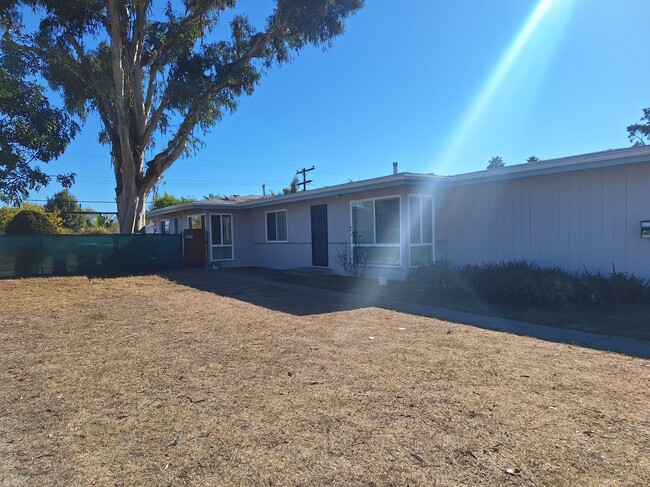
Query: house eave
(610, 158)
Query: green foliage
(214, 196)
(31, 130)
(293, 186)
(441, 277)
(7, 213)
(167, 199)
(521, 283)
(639, 133)
(495, 162)
(161, 73)
(29, 222)
(67, 206)
(533, 159)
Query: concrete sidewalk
(611, 343)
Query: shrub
(354, 261)
(520, 283)
(29, 222)
(7, 213)
(442, 276)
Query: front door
(194, 247)
(319, 246)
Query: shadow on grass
(312, 296)
(262, 287)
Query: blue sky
(439, 86)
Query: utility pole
(305, 181)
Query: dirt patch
(629, 320)
(144, 381)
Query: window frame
(201, 217)
(431, 244)
(374, 222)
(286, 224)
(232, 237)
(169, 227)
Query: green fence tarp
(60, 255)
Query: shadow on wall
(249, 285)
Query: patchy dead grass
(266, 388)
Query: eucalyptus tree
(158, 75)
(32, 131)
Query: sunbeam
(549, 14)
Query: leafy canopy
(157, 74)
(31, 130)
(495, 162)
(639, 133)
(167, 199)
(68, 208)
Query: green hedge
(523, 283)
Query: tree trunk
(131, 207)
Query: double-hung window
(221, 237)
(276, 226)
(376, 227)
(421, 229)
(165, 226)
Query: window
(421, 229)
(221, 237)
(276, 226)
(376, 225)
(196, 221)
(177, 225)
(165, 226)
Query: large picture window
(276, 226)
(421, 229)
(376, 225)
(221, 237)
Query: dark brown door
(319, 246)
(194, 247)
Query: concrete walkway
(611, 343)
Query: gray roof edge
(613, 157)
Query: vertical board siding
(576, 220)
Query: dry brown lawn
(268, 387)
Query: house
(579, 212)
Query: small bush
(442, 276)
(354, 261)
(29, 222)
(7, 213)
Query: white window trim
(266, 225)
(199, 215)
(374, 214)
(162, 227)
(433, 227)
(232, 233)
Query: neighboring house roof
(614, 157)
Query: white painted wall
(582, 219)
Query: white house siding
(296, 252)
(576, 220)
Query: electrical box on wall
(645, 229)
